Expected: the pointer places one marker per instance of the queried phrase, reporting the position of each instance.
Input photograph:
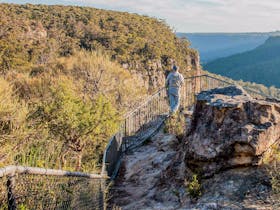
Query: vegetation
(62, 117)
(32, 36)
(260, 65)
(13, 129)
(193, 187)
(176, 124)
(63, 90)
(272, 162)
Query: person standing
(174, 83)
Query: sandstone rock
(241, 188)
(230, 129)
(36, 31)
(237, 189)
(153, 72)
(152, 177)
(142, 169)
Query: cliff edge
(219, 164)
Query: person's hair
(175, 68)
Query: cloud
(197, 15)
(204, 15)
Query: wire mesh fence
(3, 193)
(35, 188)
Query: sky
(193, 15)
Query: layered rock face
(230, 129)
(153, 73)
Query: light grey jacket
(174, 82)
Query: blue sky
(193, 15)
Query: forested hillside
(261, 65)
(212, 46)
(68, 75)
(35, 35)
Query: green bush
(95, 74)
(77, 123)
(193, 187)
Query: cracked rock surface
(230, 129)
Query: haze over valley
(252, 57)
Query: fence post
(11, 196)
(125, 127)
(197, 84)
(101, 196)
(183, 92)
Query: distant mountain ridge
(260, 65)
(217, 45)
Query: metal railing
(138, 125)
(37, 188)
(197, 84)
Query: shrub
(72, 108)
(77, 124)
(96, 74)
(176, 125)
(193, 187)
(271, 161)
(13, 129)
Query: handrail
(233, 83)
(133, 132)
(12, 169)
(144, 103)
(220, 80)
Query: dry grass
(13, 129)
(272, 161)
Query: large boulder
(230, 129)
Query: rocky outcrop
(230, 129)
(153, 177)
(237, 189)
(152, 73)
